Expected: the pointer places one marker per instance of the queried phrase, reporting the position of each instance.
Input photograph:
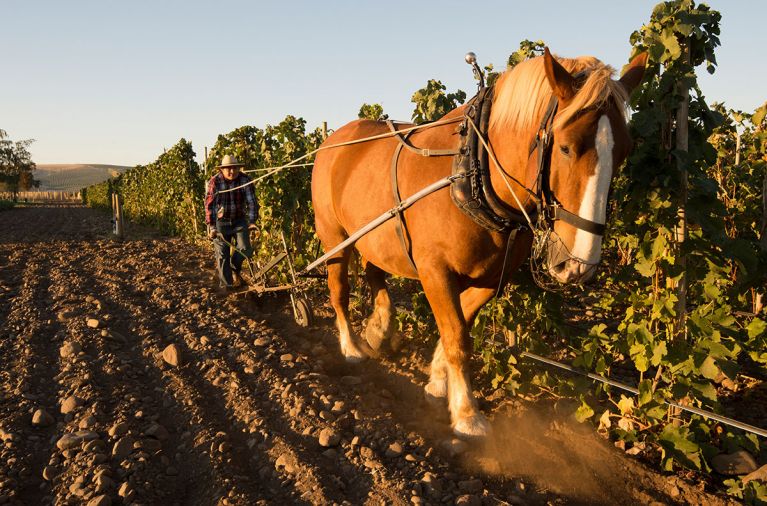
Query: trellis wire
(690, 409)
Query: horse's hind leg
(436, 389)
(338, 283)
(380, 324)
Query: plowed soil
(257, 410)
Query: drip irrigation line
(690, 409)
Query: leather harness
(471, 189)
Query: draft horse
(572, 109)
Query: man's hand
(212, 233)
(252, 226)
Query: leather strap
(419, 151)
(400, 225)
(592, 227)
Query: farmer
(230, 216)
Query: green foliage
(431, 102)
(16, 165)
(99, 196)
(165, 194)
(6, 204)
(372, 111)
(527, 49)
(752, 493)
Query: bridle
(547, 205)
(483, 206)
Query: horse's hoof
(374, 336)
(436, 393)
(471, 427)
(353, 354)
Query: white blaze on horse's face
(588, 246)
(586, 250)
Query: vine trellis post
(682, 144)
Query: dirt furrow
(29, 362)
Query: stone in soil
(93, 323)
(454, 446)
(394, 450)
(70, 404)
(286, 462)
(733, 464)
(69, 349)
(468, 500)
(157, 431)
(118, 429)
(75, 439)
(171, 355)
(41, 418)
(123, 447)
(328, 438)
(49, 472)
(101, 500)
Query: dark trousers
(236, 233)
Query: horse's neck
(512, 152)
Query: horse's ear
(559, 78)
(634, 72)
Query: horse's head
(590, 140)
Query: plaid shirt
(230, 205)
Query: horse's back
(352, 185)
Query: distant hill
(74, 176)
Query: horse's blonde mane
(523, 93)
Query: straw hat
(229, 161)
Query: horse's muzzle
(573, 271)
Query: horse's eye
(564, 150)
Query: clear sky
(115, 82)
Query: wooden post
(117, 215)
(759, 296)
(682, 120)
(324, 130)
(737, 147)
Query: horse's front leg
(472, 299)
(442, 291)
